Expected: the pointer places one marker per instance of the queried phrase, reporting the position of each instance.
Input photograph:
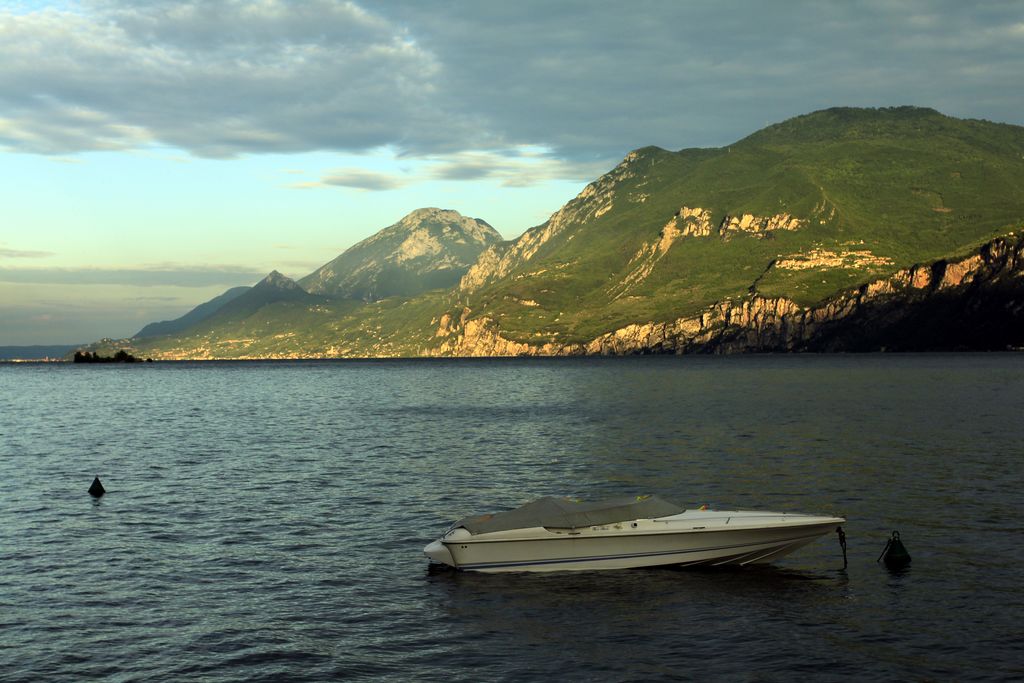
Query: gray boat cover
(563, 513)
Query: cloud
(217, 79)
(596, 79)
(511, 167)
(586, 81)
(363, 180)
(21, 253)
(156, 276)
(467, 169)
(517, 167)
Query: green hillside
(803, 209)
(287, 329)
(888, 188)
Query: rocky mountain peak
(453, 225)
(276, 280)
(431, 213)
(426, 249)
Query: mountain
(802, 210)
(428, 249)
(193, 317)
(274, 288)
(843, 229)
(235, 328)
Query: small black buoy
(894, 554)
(96, 490)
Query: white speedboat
(557, 534)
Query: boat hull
(734, 540)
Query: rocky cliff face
(758, 226)
(690, 222)
(696, 222)
(428, 249)
(973, 302)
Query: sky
(156, 153)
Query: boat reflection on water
(614, 624)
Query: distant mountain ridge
(427, 249)
(274, 288)
(843, 229)
(193, 317)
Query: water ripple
(265, 521)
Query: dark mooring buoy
(96, 490)
(894, 555)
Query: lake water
(265, 521)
